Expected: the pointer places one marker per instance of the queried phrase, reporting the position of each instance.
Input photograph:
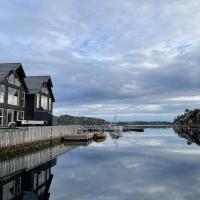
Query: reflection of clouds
(187, 152)
(156, 189)
(135, 170)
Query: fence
(13, 137)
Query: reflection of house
(24, 98)
(40, 98)
(32, 184)
(12, 93)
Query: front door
(9, 116)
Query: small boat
(116, 128)
(99, 140)
(99, 135)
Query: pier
(11, 138)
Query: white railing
(13, 137)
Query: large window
(12, 115)
(13, 96)
(13, 79)
(44, 88)
(2, 93)
(23, 99)
(1, 116)
(44, 102)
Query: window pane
(50, 103)
(23, 99)
(17, 82)
(13, 96)
(2, 93)
(44, 102)
(1, 116)
(44, 88)
(11, 79)
(38, 100)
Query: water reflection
(192, 135)
(28, 184)
(29, 176)
(147, 166)
(153, 165)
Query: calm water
(156, 164)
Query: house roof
(35, 83)
(6, 68)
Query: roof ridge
(39, 76)
(11, 63)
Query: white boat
(117, 128)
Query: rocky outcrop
(189, 118)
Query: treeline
(74, 120)
(145, 123)
(190, 118)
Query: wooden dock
(79, 137)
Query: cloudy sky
(137, 59)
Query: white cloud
(126, 55)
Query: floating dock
(79, 137)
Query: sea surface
(156, 164)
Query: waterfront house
(39, 99)
(12, 92)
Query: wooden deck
(79, 137)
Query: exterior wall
(7, 106)
(44, 115)
(30, 100)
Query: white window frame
(13, 110)
(1, 117)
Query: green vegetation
(189, 118)
(72, 120)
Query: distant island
(77, 120)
